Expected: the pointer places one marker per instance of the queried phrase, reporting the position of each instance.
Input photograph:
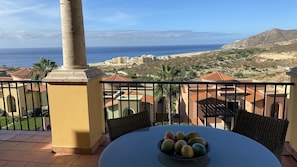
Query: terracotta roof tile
(217, 76)
(5, 78)
(252, 95)
(116, 78)
(2, 69)
(23, 73)
(35, 88)
(204, 95)
(146, 98)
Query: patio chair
(269, 131)
(119, 126)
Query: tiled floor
(33, 149)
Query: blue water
(25, 57)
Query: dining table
(140, 149)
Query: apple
(199, 149)
(178, 145)
(169, 135)
(187, 151)
(167, 145)
(180, 135)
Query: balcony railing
(24, 105)
(200, 103)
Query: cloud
(138, 37)
(8, 8)
(22, 39)
(119, 16)
(116, 38)
(25, 15)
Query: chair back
(119, 126)
(269, 131)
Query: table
(139, 149)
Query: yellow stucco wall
(24, 100)
(76, 114)
(292, 115)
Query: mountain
(267, 39)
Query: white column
(73, 38)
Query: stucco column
(292, 111)
(73, 38)
(74, 91)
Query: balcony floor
(33, 149)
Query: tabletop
(139, 148)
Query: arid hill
(268, 39)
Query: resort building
(222, 100)
(122, 99)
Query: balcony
(201, 103)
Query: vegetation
(241, 63)
(169, 91)
(33, 123)
(42, 68)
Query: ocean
(25, 57)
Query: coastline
(163, 57)
(25, 57)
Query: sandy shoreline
(190, 54)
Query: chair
(269, 131)
(119, 126)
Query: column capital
(73, 75)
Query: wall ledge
(73, 75)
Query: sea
(26, 57)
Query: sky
(37, 23)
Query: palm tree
(169, 91)
(41, 69)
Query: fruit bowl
(178, 156)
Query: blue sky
(37, 23)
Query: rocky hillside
(268, 39)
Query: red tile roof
(258, 96)
(204, 95)
(116, 78)
(146, 98)
(3, 69)
(23, 73)
(5, 78)
(217, 76)
(35, 88)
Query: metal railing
(24, 105)
(200, 103)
